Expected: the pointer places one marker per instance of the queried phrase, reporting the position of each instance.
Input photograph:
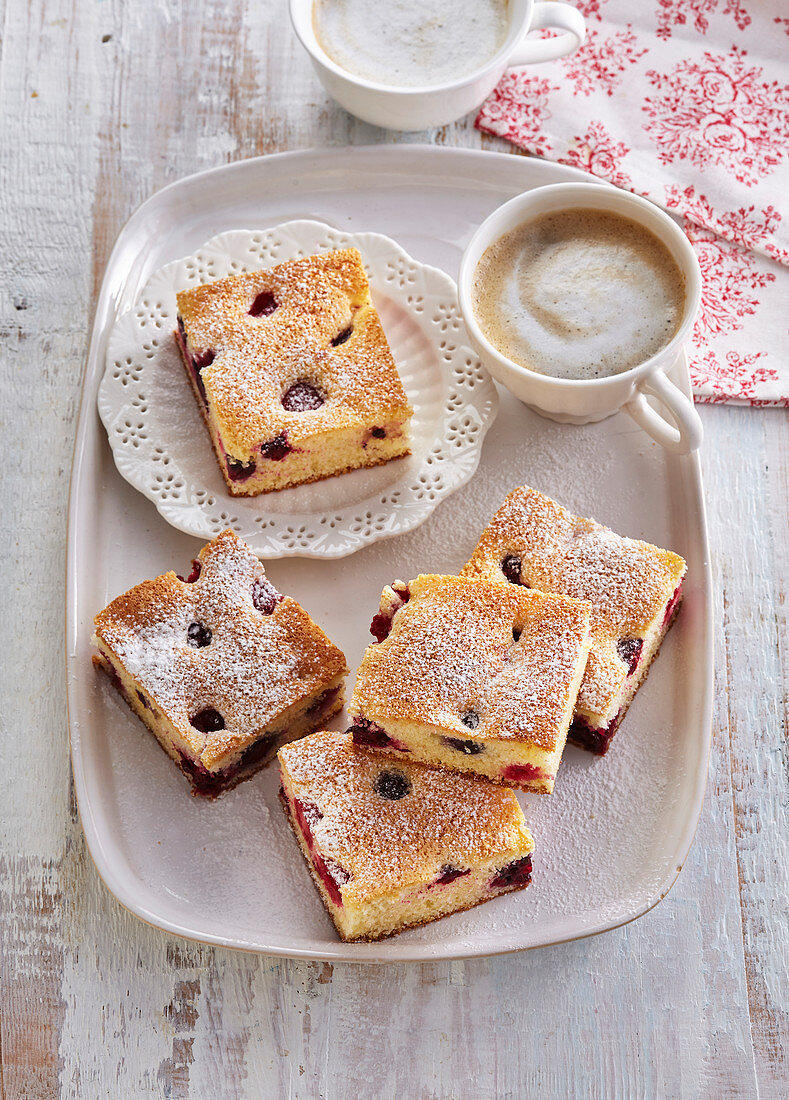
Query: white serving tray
(613, 836)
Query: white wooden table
(101, 104)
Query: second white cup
(421, 108)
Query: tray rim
(105, 307)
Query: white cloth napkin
(687, 103)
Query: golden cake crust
(256, 359)
(627, 581)
(451, 650)
(256, 666)
(385, 844)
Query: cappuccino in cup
(579, 294)
(411, 43)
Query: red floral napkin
(686, 102)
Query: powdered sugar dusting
(451, 650)
(255, 667)
(627, 581)
(385, 844)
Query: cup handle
(681, 430)
(550, 16)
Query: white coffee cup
(579, 402)
(409, 108)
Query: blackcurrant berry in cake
(470, 719)
(276, 449)
(380, 626)
(369, 734)
(511, 568)
(203, 360)
(259, 750)
(302, 397)
(450, 873)
(341, 337)
(392, 785)
(144, 700)
(517, 873)
(208, 720)
(196, 567)
(462, 744)
(265, 596)
(378, 433)
(198, 635)
(516, 633)
(240, 471)
(324, 701)
(629, 649)
(264, 304)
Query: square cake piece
(220, 667)
(473, 677)
(634, 588)
(394, 845)
(293, 373)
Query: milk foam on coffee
(579, 294)
(414, 43)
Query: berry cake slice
(634, 588)
(220, 667)
(462, 678)
(391, 846)
(293, 373)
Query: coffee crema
(411, 43)
(579, 294)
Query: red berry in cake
(341, 337)
(337, 872)
(522, 773)
(265, 596)
(462, 744)
(196, 567)
(302, 397)
(208, 720)
(307, 815)
(203, 360)
(264, 304)
(517, 873)
(629, 649)
(511, 568)
(392, 785)
(198, 635)
(672, 604)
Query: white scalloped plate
(612, 836)
(162, 448)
